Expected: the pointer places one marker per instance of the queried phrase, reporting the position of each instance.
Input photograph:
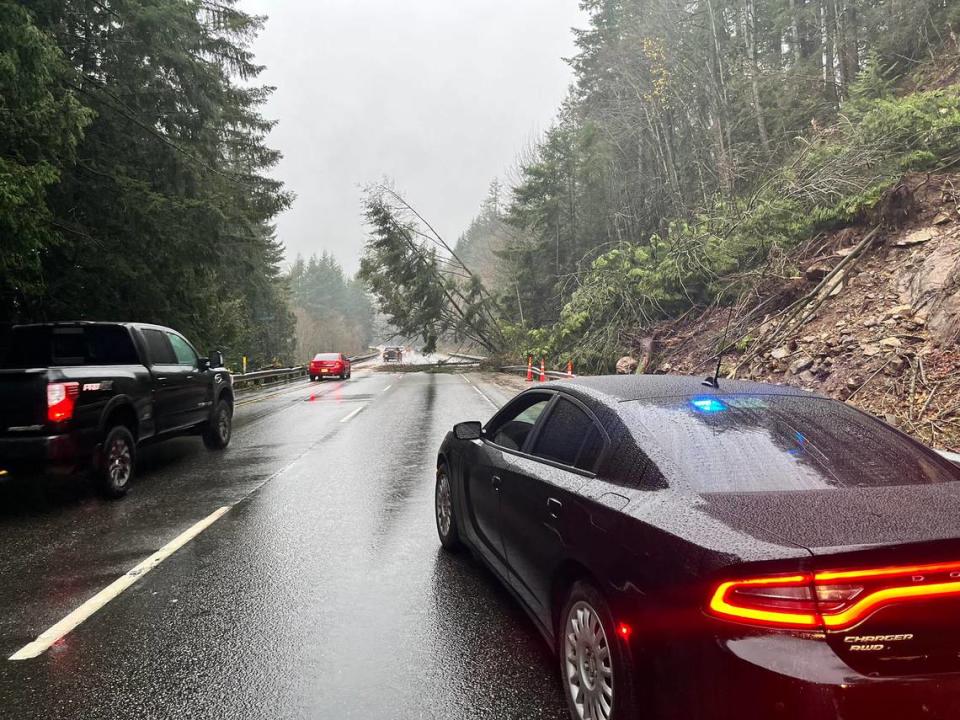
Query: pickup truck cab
(78, 396)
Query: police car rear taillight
(831, 599)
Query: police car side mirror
(467, 431)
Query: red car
(329, 364)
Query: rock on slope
(884, 332)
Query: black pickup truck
(78, 396)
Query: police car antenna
(714, 380)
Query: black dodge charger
(747, 552)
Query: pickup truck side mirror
(467, 431)
(214, 361)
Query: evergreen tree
(41, 122)
(700, 139)
(166, 213)
(333, 311)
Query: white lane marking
(60, 630)
(54, 633)
(387, 387)
(480, 392)
(353, 414)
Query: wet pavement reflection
(322, 594)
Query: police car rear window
(740, 443)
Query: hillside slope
(884, 331)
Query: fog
(438, 95)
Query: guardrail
(268, 378)
(281, 376)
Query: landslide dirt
(886, 336)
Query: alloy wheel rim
(588, 665)
(444, 505)
(119, 462)
(223, 425)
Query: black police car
(745, 552)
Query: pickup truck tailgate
(23, 400)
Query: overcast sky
(439, 95)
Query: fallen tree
(425, 290)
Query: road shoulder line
(54, 633)
(480, 392)
(353, 414)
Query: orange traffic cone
(570, 368)
(543, 370)
(529, 368)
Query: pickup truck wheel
(216, 436)
(117, 462)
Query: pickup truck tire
(216, 434)
(115, 468)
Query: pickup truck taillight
(61, 397)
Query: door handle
(161, 379)
(497, 482)
(554, 507)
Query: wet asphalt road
(322, 593)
